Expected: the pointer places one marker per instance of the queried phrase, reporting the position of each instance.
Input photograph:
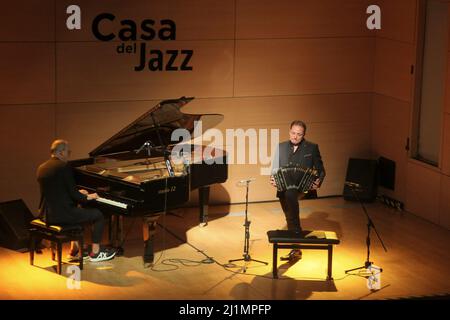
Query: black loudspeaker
(15, 218)
(386, 173)
(362, 173)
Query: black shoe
(102, 255)
(293, 255)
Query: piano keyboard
(112, 203)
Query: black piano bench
(56, 235)
(318, 240)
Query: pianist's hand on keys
(92, 196)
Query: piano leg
(119, 235)
(149, 229)
(116, 233)
(203, 196)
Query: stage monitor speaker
(363, 174)
(15, 218)
(386, 173)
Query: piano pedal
(203, 224)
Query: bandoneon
(294, 177)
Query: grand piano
(140, 171)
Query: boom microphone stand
(246, 254)
(370, 225)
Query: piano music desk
(317, 240)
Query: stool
(319, 240)
(55, 234)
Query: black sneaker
(293, 255)
(102, 255)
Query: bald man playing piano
(60, 198)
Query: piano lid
(166, 116)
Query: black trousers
(291, 209)
(80, 216)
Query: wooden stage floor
(416, 264)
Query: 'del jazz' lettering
(156, 60)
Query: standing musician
(300, 152)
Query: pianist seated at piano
(60, 198)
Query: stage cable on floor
(175, 262)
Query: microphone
(246, 180)
(352, 184)
(147, 144)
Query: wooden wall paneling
(28, 71)
(87, 125)
(26, 132)
(27, 20)
(447, 92)
(337, 143)
(392, 75)
(445, 150)
(309, 108)
(195, 20)
(303, 66)
(398, 20)
(390, 129)
(90, 71)
(422, 191)
(258, 19)
(444, 202)
(264, 111)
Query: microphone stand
(370, 225)
(164, 148)
(148, 145)
(246, 254)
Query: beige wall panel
(27, 73)
(392, 69)
(444, 211)
(398, 20)
(194, 19)
(390, 129)
(262, 112)
(87, 125)
(446, 145)
(27, 20)
(303, 66)
(447, 93)
(301, 18)
(338, 142)
(26, 132)
(422, 191)
(95, 72)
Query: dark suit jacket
(307, 155)
(59, 193)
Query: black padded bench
(317, 240)
(57, 235)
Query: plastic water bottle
(186, 163)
